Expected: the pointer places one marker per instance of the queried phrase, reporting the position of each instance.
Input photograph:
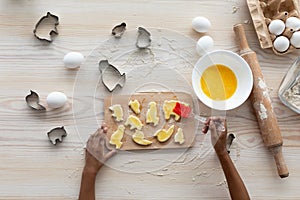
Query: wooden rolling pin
(262, 104)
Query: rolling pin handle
(282, 169)
(240, 33)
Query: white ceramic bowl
(241, 70)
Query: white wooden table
(32, 168)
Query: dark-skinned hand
(98, 150)
(218, 129)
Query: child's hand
(98, 150)
(218, 129)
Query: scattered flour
(262, 84)
(292, 95)
(234, 9)
(262, 112)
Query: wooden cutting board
(187, 124)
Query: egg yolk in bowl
(218, 82)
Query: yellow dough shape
(117, 136)
(179, 136)
(134, 122)
(168, 109)
(152, 114)
(163, 134)
(117, 112)
(135, 106)
(139, 138)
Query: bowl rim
(229, 103)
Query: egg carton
(263, 12)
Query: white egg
(73, 60)
(201, 24)
(276, 26)
(56, 99)
(295, 39)
(293, 23)
(204, 44)
(281, 44)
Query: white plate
(241, 70)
